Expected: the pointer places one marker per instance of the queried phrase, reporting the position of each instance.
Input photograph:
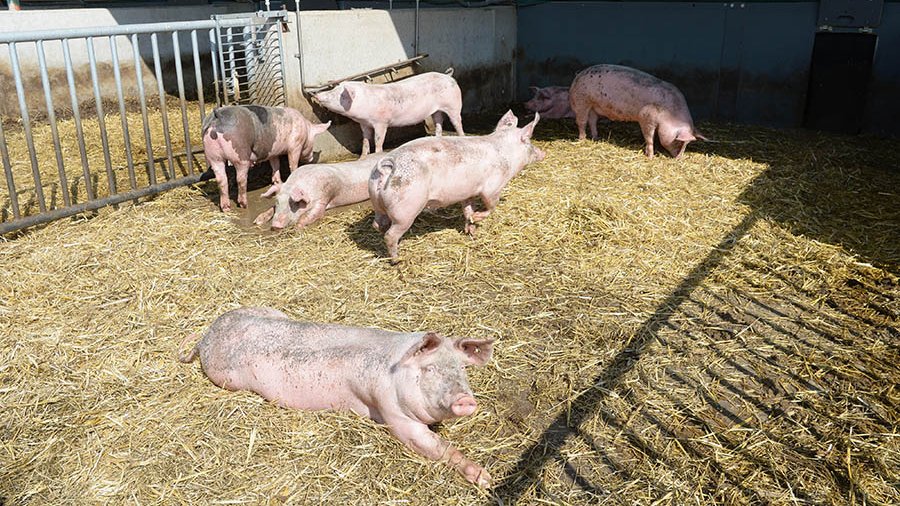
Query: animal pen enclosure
(719, 329)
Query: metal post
(197, 74)
(163, 109)
(176, 47)
(76, 115)
(101, 120)
(416, 48)
(26, 123)
(117, 74)
(51, 117)
(139, 75)
(7, 169)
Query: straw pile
(717, 329)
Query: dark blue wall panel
(744, 62)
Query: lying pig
(405, 380)
(246, 135)
(627, 94)
(407, 102)
(437, 172)
(310, 191)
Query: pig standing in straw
(406, 381)
(247, 135)
(407, 102)
(438, 172)
(627, 94)
(309, 192)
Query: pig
(405, 380)
(407, 102)
(626, 94)
(246, 135)
(437, 172)
(551, 102)
(309, 192)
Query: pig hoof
(478, 476)
(470, 229)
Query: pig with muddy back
(627, 94)
(309, 192)
(405, 380)
(247, 135)
(402, 103)
(437, 172)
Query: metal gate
(74, 138)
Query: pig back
(620, 93)
(298, 364)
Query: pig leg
(380, 131)
(581, 120)
(312, 214)
(438, 118)
(473, 216)
(275, 162)
(592, 119)
(222, 178)
(648, 128)
(242, 168)
(456, 121)
(367, 133)
(419, 438)
(264, 216)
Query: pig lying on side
(406, 381)
(407, 102)
(437, 172)
(247, 135)
(310, 191)
(627, 94)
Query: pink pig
(310, 191)
(438, 172)
(627, 94)
(405, 380)
(551, 102)
(406, 102)
(247, 135)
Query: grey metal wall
(745, 62)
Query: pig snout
(278, 222)
(464, 405)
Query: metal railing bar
(26, 123)
(139, 76)
(236, 89)
(162, 105)
(106, 31)
(101, 119)
(51, 117)
(117, 75)
(197, 74)
(7, 169)
(215, 54)
(179, 75)
(223, 98)
(93, 205)
(76, 115)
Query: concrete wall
(478, 43)
(736, 61)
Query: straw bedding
(720, 328)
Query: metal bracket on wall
(393, 67)
(849, 16)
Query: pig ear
(296, 193)
(272, 191)
(476, 351)
(528, 129)
(428, 344)
(347, 97)
(534, 89)
(685, 136)
(508, 120)
(318, 128)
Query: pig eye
(430, 369)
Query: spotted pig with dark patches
(437, 172)
(247, 135)
(405, 380)
(402, 103)
(626, 94)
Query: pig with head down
(405, 380)
(437, 172)
(309, 192)
(627, 94)
(401, 103)
(552, 102)
(245, 135)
